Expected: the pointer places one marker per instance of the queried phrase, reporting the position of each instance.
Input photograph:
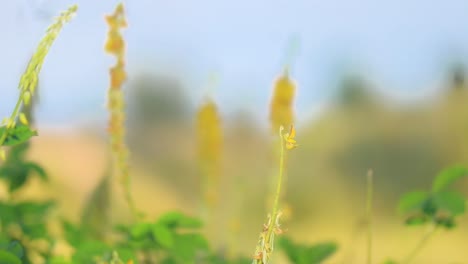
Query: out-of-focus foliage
(303, 254)
(439, 206)
(354, 91)
(403, 145)
(156, 101)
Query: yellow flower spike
(115, 45)
(282, 101)
(23, 119)
(210, 140)
(289, 138)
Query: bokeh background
(380, 85)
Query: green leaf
(417, 220)
(8, 258)
(140, 230)
(447, 177)
(17, 135)
(293, 251)
(412, 201)
(444, 221)
(187, 246)
(429, 207)
(177, 219)
(73, 234)
(301, 254)
(16, 248)
(127, 254)
(452, 202)
(34, 167)
(163, 235)
(86, 252)
(320, 252)
(58, 260)
(17, 179)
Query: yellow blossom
(282, 101)
(289, 138)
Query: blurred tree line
(405, 146)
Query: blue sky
(403, 47)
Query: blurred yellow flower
(289, 138)
(282, 102)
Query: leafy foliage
(301, 254)
(447, 177)
(439, 206)
(11, 252)
(16, 135)
(25, 220)
(16, 170)
(173, 236)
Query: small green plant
(436, 209)
(266, 241)
(24, 237)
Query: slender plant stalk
(266, 242)
(274, 214)
(427, 236)
(369, 200)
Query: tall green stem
(274, 214)
(369, 200)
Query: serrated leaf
(163, 235)
(17, 135)
(8, 258)
(412, 201)
(452, 202)
(447, 177)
